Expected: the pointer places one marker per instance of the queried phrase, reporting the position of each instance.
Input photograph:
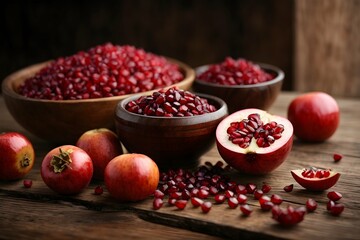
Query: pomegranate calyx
(25, 161)
(61, 161)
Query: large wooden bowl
(169, 141)
(63, 121)
(237, 97)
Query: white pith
(223, 137)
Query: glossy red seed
(229, 193)
(242, 198)
(311, 205)
(334, 196)
(250, 188)
(27, 183)
(264, 199)
(330, 204)
(196, 202)
(240, 189)
(266, 206)
(245, 209)
(233, 202)
(181, 204)
(203, 194)
(289, 188)
(219, 198)
(158, 194)
(258, 194)
(337, 209)
(98, 190)
(206, 207)
(276, 199)
(266, 188)
(157, 203)
(337, 157)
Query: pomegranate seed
(240, 189)
(264, 199)
(242, 198)
(175, 195)
(233, 202)
(245, 209)
(266, 188)
(289, 188)
(250, 188)
(337, 157)
(334, 196)
(276, 199)
(258, 194)
(330, 204)
(229, 194)
(288, 216)
(206, 207)
(181, 204)
(157, 203)
(196, 202)
(337, 209)
(172, 201)
(266, 206)
(27, 183)
(219, 198)
(98, 190)
(311, 205)
(235, 72)
(159, 194)
(203, 194)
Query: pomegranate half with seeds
(254, 141)
(315, 179)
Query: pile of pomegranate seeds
(241, 133)
(235, 72)
(102, 71)
(172, 102)
(288, 216)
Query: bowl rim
(280, 75)
(7, 85)
(222, 111)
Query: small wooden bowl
(237, 97)
(63, 121)
(169, 141)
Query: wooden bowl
(237, 97)
(63, 121)
(169, 141)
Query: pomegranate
(315, 179)
(315, 116)
(254, 141)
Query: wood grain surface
(39, 213)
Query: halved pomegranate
(254, 141)
(315, 179)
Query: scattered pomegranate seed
(159, 194)
(196, 202)
(334, 196)
(276, 199)
(264, 199)
(235, 72)
(240, 189)
(102, 71)
(181, 204)
(229, 194)
(266, 206)
(330, 204)
(157, 203)
(289, 188)
(288, 216)
(337, 157)
(242, 199)
(98, 190)
(27, 183)
(220, 198)
(250, 188)
(203, 194)
(266, 188)
(258, 194)
(171, 201)
(233, 202)
(337, 209)
(206, 207)
(311, 205)
(245, 209)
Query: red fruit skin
(73, 179)
(315, 184)
(131, 177)
(14, 147)
(315, 116)
(256, 164)
(102, 145)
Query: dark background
(194, 31)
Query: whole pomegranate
(315, 116)
(254, 141)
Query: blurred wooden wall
(316, 42)
(327, 46)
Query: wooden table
(39, 213)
